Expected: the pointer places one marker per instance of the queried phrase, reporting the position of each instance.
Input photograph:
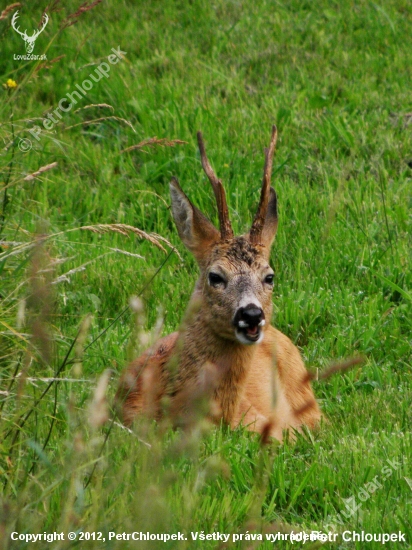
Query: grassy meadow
(85, 225)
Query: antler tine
(226, 231)
(13, 23)
(259, 220)
(45, 19)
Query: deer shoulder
(226, 352)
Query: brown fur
(254, 384)
(263, 386)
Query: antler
(46, 20)
(13, 22)
(226, 230)
(259, 220)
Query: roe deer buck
(258, 377)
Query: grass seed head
(99, 409)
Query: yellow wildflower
(10, 84)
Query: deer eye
(215, 279)
(269, 279)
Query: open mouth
(249, 321)
(248, 334)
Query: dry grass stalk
(72, 18)
(59, 379)
(21, 314)
(125, 230)
(52, 7)
(65, 277)
(41, 170)
(97, 120)
(100, 105)
(164, 240)
(306, 407)
(99, 228)
(341, 367)
(48, 64)
(99, 409)
(136, 305)
(39, 303)
(21, 377)
(80, 343)
(265, 437)
(39, 309)
(126, 253)
(131, 432)
(195, 402)
(153, 142)
(8, 9)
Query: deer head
(29, 40)
(236, 281)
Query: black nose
(249, 316)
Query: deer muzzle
(248, 322)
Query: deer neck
(229, 360)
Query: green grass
(335, 77)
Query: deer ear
(271, 220)
(197, 233)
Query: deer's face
(236, 287)
(236, 281)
